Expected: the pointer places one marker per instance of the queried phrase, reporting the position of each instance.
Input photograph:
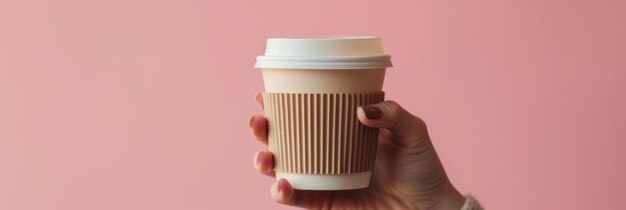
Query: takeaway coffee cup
(312, 90)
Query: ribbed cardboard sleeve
(319, 133)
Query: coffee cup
(313, 87)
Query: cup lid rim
(340, 52)
(320, 62)
(325, 38)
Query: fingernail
(257, 157)
(372, 112)
(250, 121)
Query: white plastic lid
(324, 53)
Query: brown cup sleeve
(319, 133)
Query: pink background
(144, 104)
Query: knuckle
(393, 104)
(392, 107)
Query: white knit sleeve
(471, 204)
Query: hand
(408, 172)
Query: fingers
(259, 99)
(258, 126)
(258, 123)
(264, 163)
(407, 129)
(284, 193)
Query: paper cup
(312, 90)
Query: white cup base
(326, 181)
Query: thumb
(407, 130)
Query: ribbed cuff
(471, 204)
